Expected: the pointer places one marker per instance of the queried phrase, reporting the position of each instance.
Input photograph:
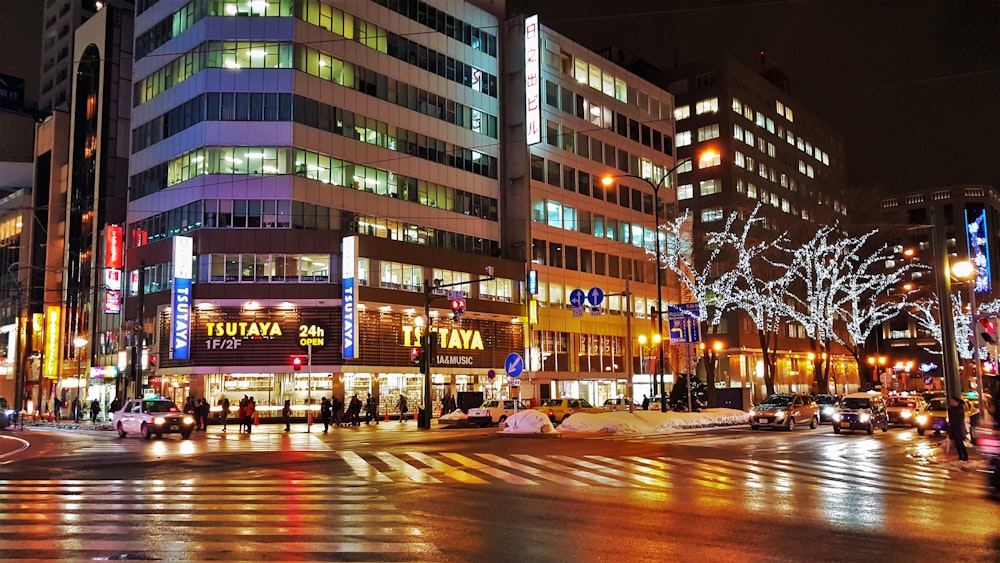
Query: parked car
(559, 410)
(827, 404)
(494, 411)
(858, 411)
(152, 416)
(785, 410)
(903, 409)
(6, 414)
(619, 404)
(935, 416)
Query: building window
(683, 138)
(682, 112)
(711, 214)
(709, 187)
(709, 105)
(708, 132)
(685, 191)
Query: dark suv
(859, 411)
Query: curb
(535, 436)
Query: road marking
(577, 472)
(540, 473)
(362, 468)
(492, 471)
(410, 472)
(450, 471)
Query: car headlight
(864, 417)
(188, 419)
(9, 412)
(779, 414)
(159, 420)
(905, 413)
(753, 413)
(828, 410)
(922, 419)
(836, 416)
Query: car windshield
(778, 400)
(825, 399)
(161, 406)
(856, 403)
(552, 403)
(937, 405)
(490, 404)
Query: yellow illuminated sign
(37, 331)
(533, 312)
(448, 338)
(51, 341)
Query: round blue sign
(514, 365)
(491, 374)
(577, 297)
(595, 296)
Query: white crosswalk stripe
(48, 520)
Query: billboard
(349, 259)
(180, 322)
(532, 82)
(977, 236)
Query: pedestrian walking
(325, 411)
(371, 409)
(241, 412)
(645, 402)
(203, 410)
(57, 406)
(77, 410)
(286, 415)
(95, 409)
(956, 427)
(336, 411)
(354, 411)
(402, 407)
(251, 411)
(116, 405)
(224, 415)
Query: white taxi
(495, 411)
(152, 416)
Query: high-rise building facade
(306, 178)
(770, 151)
(573, 118)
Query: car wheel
(503, 418)
(160, 435)
(121, 431)
(791, 424)
(754, 427)
(885, 426)
(814, 422)
(871, 428)
(185, 435)
(920, 431)
(836, 429)
(145, 431)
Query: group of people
(332, 412)
(199, 410)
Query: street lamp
(606, 181)
(875, 362)
(654, 341)
(965, 271)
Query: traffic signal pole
(430, 345)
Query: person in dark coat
(645, 403)
(77, 410)
(224, 415)
(371, 409)
(95, 409)
(324, 414)
(286, 415)
(956, 427)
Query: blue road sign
(491, 374)
(684, 325)
(514, 365)
(595, 296)
(928, 380)
(576, 298)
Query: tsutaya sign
(180, 329)
(448, 338)
(349, 256)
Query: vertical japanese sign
(51, 366)
(979, 248)
(532, 81)
(180, 324)
(349, 259)
(113, 264)
(113, 247)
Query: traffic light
(457, 309)
(990, 335)
(415, 355)
(297, 363)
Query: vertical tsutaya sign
(113, 247)
(349, 256)
(180, 328)
(51, 341)
(532, 82)
(979, 248)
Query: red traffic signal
(297, 363)
(990, 325)
(457, 308)
(415, 355)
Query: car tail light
(551, 412)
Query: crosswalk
(185, 520)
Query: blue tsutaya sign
(349, 261)
(180, 323)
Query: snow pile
(651, 422)
(528, 422)
(454, 416)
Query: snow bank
(454, 416)
(651, 422)
(528, 422)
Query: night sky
(914, 86)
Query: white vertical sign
(180, 324)
(532, 82)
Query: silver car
(785, 410)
